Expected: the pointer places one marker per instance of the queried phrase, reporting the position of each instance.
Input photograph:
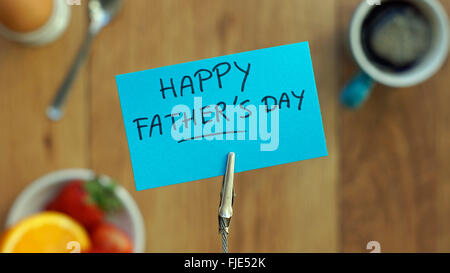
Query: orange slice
(46, 232)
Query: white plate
(37, 195)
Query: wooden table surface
(387, 176)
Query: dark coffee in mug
(396, 35)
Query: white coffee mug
(358, 89)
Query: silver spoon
(100, 14)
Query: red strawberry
(107, 238)
(86, 202)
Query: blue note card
(182, 120)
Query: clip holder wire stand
(226, 202)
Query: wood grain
(284, 208)
(31, 145)
(394, 180)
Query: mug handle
(357, 90)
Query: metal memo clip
(226, 202)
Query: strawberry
(86, 202)
(107, 238)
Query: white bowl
(49, 32)
(36, 196)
